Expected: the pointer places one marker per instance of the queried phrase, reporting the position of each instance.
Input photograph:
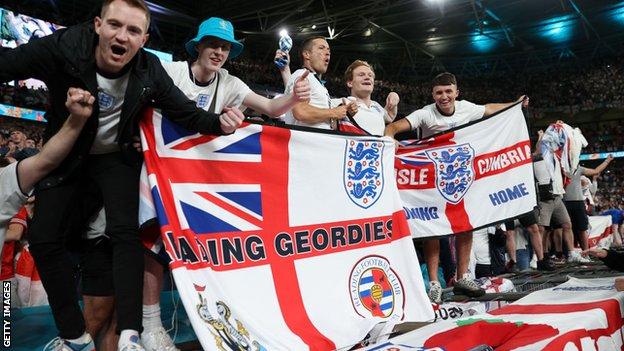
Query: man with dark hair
(106, 59)
(317, 111)
(574, 201)
(444, 114)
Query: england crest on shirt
(363, 172)
(203, 100)
(454, 171)
(106, 101)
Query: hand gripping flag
(283, 239)
(468, 177)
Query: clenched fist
(230, 119)
(79, 103)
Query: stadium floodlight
(558, 29)
(618, 13)
(283, 32)
(483, 41)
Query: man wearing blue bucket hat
(204, 80)
(213, 89)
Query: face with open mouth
(122, 31)
(363, 81)
(212, 53)
(319, 55)
(444, 97)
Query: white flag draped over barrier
(578, 315)
(283, 239)
(599, 231)
(469, 177)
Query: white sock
(83, 339)
(127, 336)
(151, 317)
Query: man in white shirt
(575, 201)
(447, 113)
(205, 81)
(370, 116)
(317, 112)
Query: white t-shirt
(319, 97)
(110, 98)
(543, 176)
(232, 91)
(11, 197)
(432, 121)
(372, 119)
(481, 245)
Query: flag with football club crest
(282, 239)
(468, 177)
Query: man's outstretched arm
(79, 103)
(492, 108)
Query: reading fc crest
(454, 171)
(363, 171)
(376, 290)
(227, 336)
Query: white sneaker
(134, 344)
(58, 344)
(435, 292)
(157, 340)
(575, 257)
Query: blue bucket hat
(219, 28)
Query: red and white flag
(578, 315)
(468, 177)
(599, 231)
(283, 239)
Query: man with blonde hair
(371, 116)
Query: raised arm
(392, 105)
(79, 103)
(590, 172)
(279, 106)
(283, 66)
(492, 108)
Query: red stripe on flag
(231, 208)
(458, 217)
(284, 273)
(503, 160)
(610, 307)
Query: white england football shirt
(371, 118)
(232, 91)
(319, 97)
(431, 121)
(11, 197)
(111, 92)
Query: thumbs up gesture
(301, 89)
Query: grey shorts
(553, 211)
